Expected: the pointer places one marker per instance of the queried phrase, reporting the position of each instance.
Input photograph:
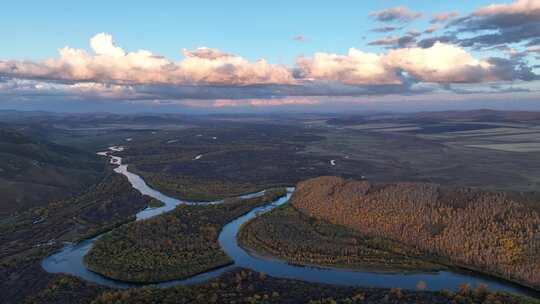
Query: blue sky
(194, 55)
(253, 29)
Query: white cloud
(441, 63)
(205, 65)
(443, 17)
(110, 63)
(355, 68)
(517, 7)
(396, 14)
(108, 71)
(103, 44)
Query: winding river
(69, 259)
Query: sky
(241, 56)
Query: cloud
(103, 44)
(400, 14)
(388, 40)
(533, 49)
(209, 66)
(108, 72)
(528, 7)
(385, 29)
(444, 17)
(430, 41)
(112, 64)
(355, 68)
(288, 101)
(440, 63)
(431, 29)
(498, 24)
(395, 41)
(444, 63)
(22, 89)
(407, 40)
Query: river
(69, 259)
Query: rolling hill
(34, 172)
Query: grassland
(459, 150)
(243, 154)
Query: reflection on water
(70, 259)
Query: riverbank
(70, 258)
(487, 232)
(287, 234)
(175, 245)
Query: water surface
(70, 259)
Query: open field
(206, 158)
(511, 147)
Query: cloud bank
(500, 24)
(111, 64)
(411, 62)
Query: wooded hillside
(490, 232)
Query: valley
(210, 158)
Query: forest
(490, 232)
(288, 234)
(34, 234)
(175, 245)
(245, 286)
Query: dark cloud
(309, 88)
(508, 35)
(406, 40)
(429, 42)
(401, 14)
(495, 88)
(385, 29)
(500, 24)
(512, 69)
